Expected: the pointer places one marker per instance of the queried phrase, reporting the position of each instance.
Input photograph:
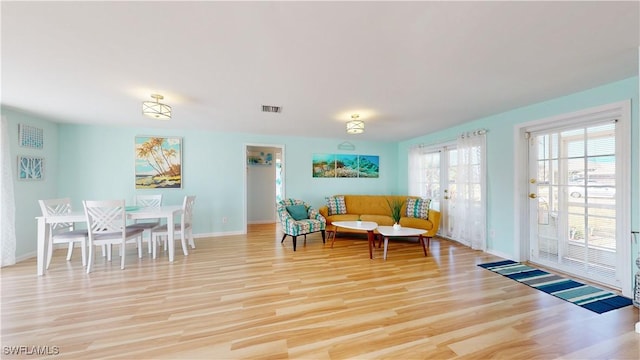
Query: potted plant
(396, 211)
(359, 221)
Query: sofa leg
(323, 239)
(283, 236)
(294, 242)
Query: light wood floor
(251, 297)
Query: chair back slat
(187, 210)
(149, 200)
(57, 207)
(105, 216)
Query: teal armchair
(298, 218)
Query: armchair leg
(294, 242)
(283, 236)
(323, 238)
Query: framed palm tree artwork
(158, 162)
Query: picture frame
(30, 168)
(30, 136)
(158, 162)
(259, 158)
(345, 166)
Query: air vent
(271, 108)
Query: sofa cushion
(418, 208)
(417, 223)
(298, 212)
(336, 205)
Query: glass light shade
(156, 109)
(355, 127)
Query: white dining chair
(148, 225)
(184, 228)
(106, 221)
(63, 233)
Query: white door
(438, 165)
(575, 202)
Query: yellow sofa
(376, 208)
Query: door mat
(587, 296)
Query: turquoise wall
(27, 193)
(97, 162)
(501, 214)
(213, 169)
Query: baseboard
(502, 255)
(26, 256)
(218, 234)
(254, 222)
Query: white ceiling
(407, 68)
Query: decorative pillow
(418, 208)
(298, 212)
(336, 205)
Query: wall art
(345, 166)
(30, 168)
(30, 136)
(259, 158)
(158, 162)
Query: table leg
(386, 244)
(170, 237)
(41, 246)
(370, 237)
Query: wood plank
(251, 297)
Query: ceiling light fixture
(156, 109)
(355, 126)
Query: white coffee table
(387, 231)
(367, 226)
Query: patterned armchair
(308, 220)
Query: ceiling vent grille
(271, 108)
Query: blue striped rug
(587, 296)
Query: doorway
(264, 182)
(577, 190)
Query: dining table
(168, 213)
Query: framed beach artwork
(368, 166)
(323, 165)
(158, 162)
(30, 168)
(345, 166)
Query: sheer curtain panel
(8, 209)
(470, 199)
(417, 172)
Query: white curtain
(8, 209)
(470, 198)
(417, 173)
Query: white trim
(257, 222)
(501, 254)
(621, 111)
(218, 234)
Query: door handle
(533, 196)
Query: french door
(575, 199)
(437, 182)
